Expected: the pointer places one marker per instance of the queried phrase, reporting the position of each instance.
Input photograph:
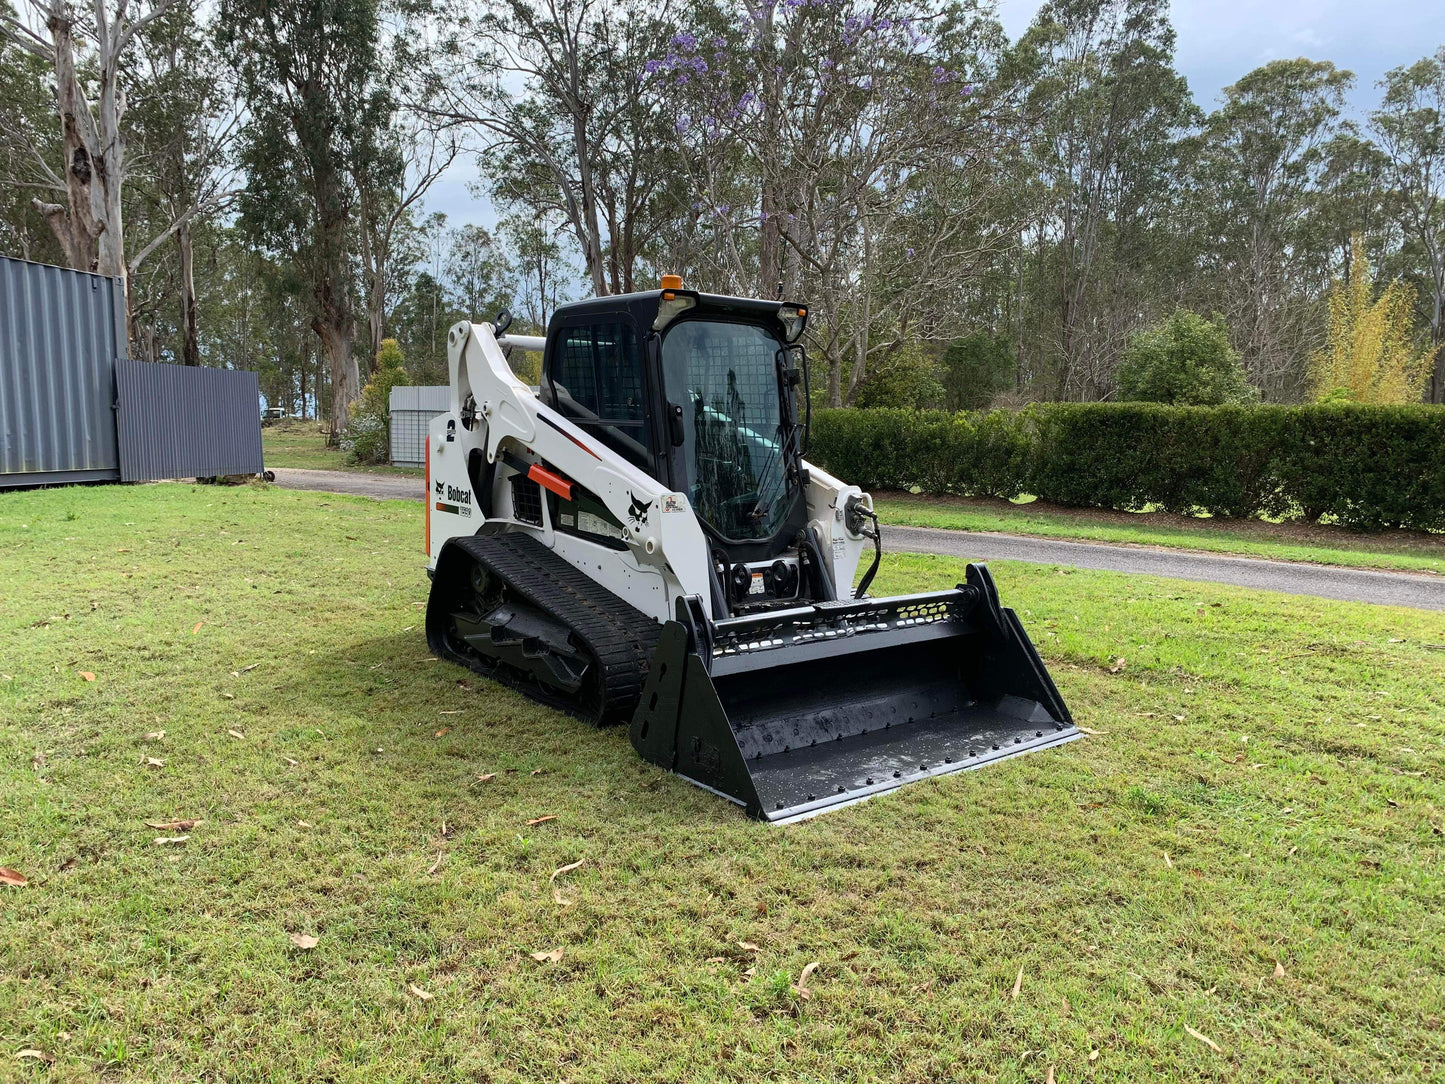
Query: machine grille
(526, 500)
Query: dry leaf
(552, 880)
(442, 731)
(748, 946)
(435, 865)
(173, 826)
(1066, 1006)
(248, 669)
(749, 973)
(167, 840)
(801, 989)
(1278, 970)
(12, 877)
(236, 734)
(417, 992)
(538, 771)
(1088, 730)
(1118, 665)
(551, 956)
(303, 940)
(36, 1055)
(1050, 1078)
(1205, 1039)
(303, 824)
(1093, 1055)
(1018, 984)
(152, 762)
(155, 735)
(1168, 861)
(289, 761)
(197, 628)
(487, 778)
(716, 960)
(541, 820)
(87, 675)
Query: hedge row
(1364, 466)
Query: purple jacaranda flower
(910, 254)
(967, 89)
(684, 122)
(747, 99)
(652, 66)
(681, 78)
(685, 41)
(719, 43)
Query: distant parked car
(273, 414)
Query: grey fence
(74, 408)
(60, 334)
(180, 422)
(412, 409)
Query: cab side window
(595, 377)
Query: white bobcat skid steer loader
(643, 542)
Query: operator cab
(702, 392)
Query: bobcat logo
(440, 490)
(637, 514)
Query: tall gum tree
(308, 73)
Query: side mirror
(675, 431)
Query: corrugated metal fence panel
(412, 409)
(61, 332)
(180, 422)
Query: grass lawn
(1412, 550)
(297, 443)
(1265, 783)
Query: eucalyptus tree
(1410, 126)
(844, 155)
(308, 72)
(1112, 109)
(1261, 156)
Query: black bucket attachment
(794, 712)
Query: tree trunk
(190, 321)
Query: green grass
(295, 443)
(1284, 542)
(1285, 753)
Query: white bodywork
(667, 553)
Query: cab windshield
(725, 378)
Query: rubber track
(620, 638)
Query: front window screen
(597, 382)
(724, 376)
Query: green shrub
(1366, 467)
(1185, 360)
(368, 435)
(907, 377)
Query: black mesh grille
(526, 500)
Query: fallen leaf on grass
(1089, 730)
(442, 731)
(417, 992)
(748, 946)
(435, 865)
(557, 896)
(304, 941)
(246, 669)
(1018, 984)
(197, 628)
(455, 711)
(155, 735)
(1093, 1055)
(34, 1055)
(152, 762)
(487, 778)
(172, 826)
(550, 956)
(801, 989)
(1177, 718)
(1050, 1078)
(1118, 665)
(236, 734)
(542, 820)
(716, 960)
(749, 973)
(168, 840)
(289, 761)
(1205, 1039)
(87, 675)
(1278, 970)
(1167, 861)
(12, 877)
(228, 696)
(538, 771)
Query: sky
(1217, 43)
